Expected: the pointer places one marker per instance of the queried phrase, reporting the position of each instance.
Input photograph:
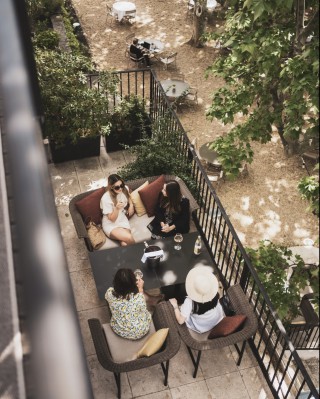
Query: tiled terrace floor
(218, 376)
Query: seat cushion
(153, 343)
(89, 206)
(227, 326)
(124, 350)
(150, 194)
(139, 208)
(139, 231)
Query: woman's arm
(180, 319)
(181, 221)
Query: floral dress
(129, 317)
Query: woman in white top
(116, 207)
(201, 310)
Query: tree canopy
(270, 64)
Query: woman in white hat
(201, 310)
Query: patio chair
(108, 354)
(200, 342)
(138, 61)
(170, 59)
(110, 14)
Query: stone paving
(218, 378)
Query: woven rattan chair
(161, 319)
(241, 306)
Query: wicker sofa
(138, 224)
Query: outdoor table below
(123, 8)
(174, 88)
(172, 269)
(156, 46)
(208, 154)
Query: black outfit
(139, 53)
(181, 220)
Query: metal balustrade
(275, 353)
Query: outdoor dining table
(123, 8)
(211, 4)
(156, 46)
(208, 154)
(174, 88)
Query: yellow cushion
(154, 343)
(136, 200)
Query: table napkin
(151, 254)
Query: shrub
(48, 39)
(272, 263)
(309, 189)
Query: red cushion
(149, 194)
(228, 325)
(89, 206)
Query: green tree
(270, 65)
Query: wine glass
(178, 238)
(138, 273)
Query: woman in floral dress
(129, 315)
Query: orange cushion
(149, 194)
(89, 206)
(228, 325)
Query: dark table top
(173, 267)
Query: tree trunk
(198, 23)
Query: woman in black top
(172, 213)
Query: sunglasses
(118, 187)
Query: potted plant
(75, 115)
(129, 123)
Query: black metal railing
(276, 355)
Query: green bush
(272, 263)
(158, 155)
(47, 39)
(71, 108)
(309, 189)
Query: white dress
(201, 322)
(107, 206)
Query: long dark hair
(201, 308)
(173, 199)
(112, 179)
(124, 284)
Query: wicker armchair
(161, 319)
(241, 305)
(79, 224)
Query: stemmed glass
(138, 273)
(178, 238)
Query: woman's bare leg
(122, 235)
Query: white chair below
(170, 59)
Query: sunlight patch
(261, 202)
(300, 232)
(270, 227)
(243, 219)
(245, 203)
(63, 199)
(97, 184)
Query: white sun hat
(201, 284)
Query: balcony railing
(276, 355)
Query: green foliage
(47, 39)
(158, 155)
(272, 264)
(271, 75)
(72, 38)
(309, 189)
(71, 108)
(42, 9)
(129, 122)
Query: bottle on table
(197, 246)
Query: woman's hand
(173, 302)
(166, 228)
(140, 284)
(130, 210)
(120, 205)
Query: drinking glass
(138, 273)
(178, 238)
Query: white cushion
(139, 230)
